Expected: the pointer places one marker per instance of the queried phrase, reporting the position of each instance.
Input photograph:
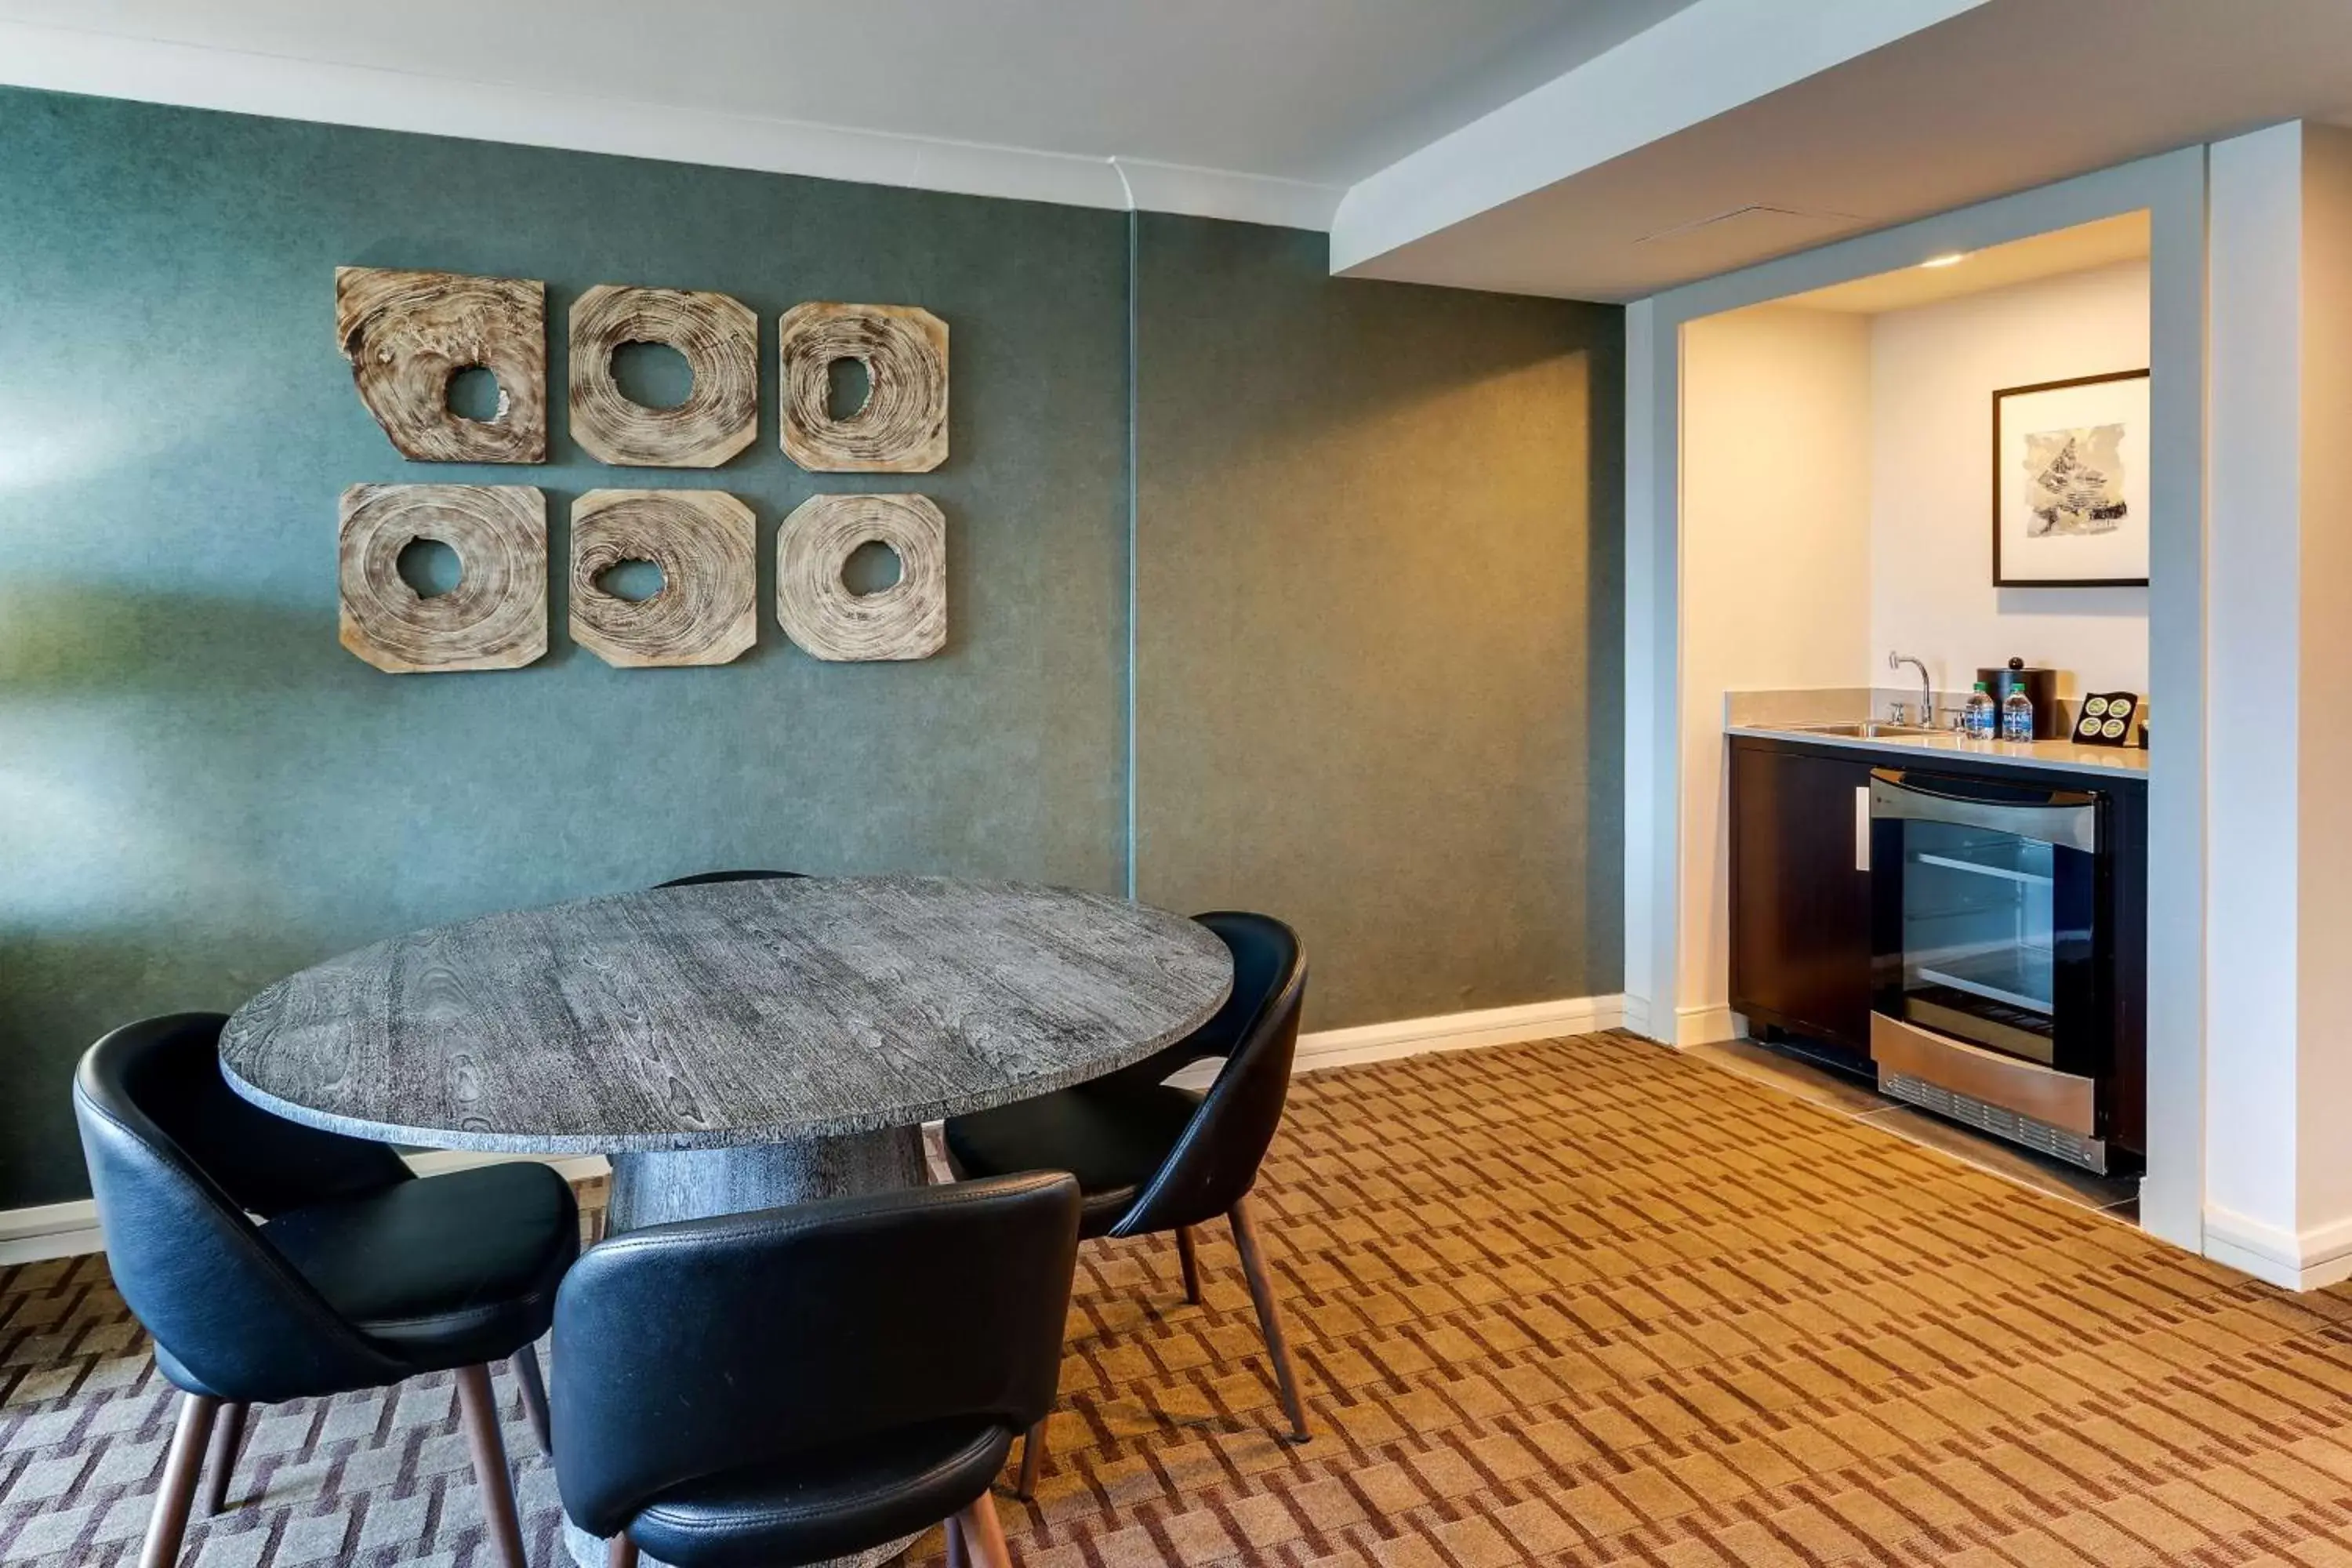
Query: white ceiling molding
(1695, 64)
(66, 59)
(1221, 192)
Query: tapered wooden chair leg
(184, 1466)
(525, 1363)
(983, 1535)
(958, 1554)
(1269, 1316)
(228, 1436)
(1032, 1456)
(479, 1409)
(620, 1553)
(1191, 1263)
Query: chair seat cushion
(848, 1498)
(1113, 1140)
(442, 1271)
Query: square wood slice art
(820, 611)
(407, 335)
(704, 542)
(718, 336)
(496, 616)
(902, 427)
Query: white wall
(1933, 373)
(2325, 903)
(2253, 599)
(2279, 1064)
(1775, 570)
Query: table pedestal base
(695, 1184)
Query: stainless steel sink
(1868, 729)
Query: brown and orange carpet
(1577, 1303)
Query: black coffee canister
(2041, 689)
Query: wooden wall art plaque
(820, 612)
(496, 616)
(902, 428)
(707, 610)
(407, 335)
(719, 339)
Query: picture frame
(2070, 469)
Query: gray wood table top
(722, 1015)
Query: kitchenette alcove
(1956, 924)
(1816, 462)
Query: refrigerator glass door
(1987, 912)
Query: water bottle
(1977, 718)
(2017, 715)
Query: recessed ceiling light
(1954, 259)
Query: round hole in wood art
(847, 387)
(474, 393)
(494, 616)
(718, 336)
(636, 581)
(429, 566)
(821, 613)
(871, 568)
(902, 425)
(705, 609)
(653, 376)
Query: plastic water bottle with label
(2017, 715)
(1977, 718)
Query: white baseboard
(1459, 1031)
(1445, 1032)
(1706, 1025)
(47, 1230)
(2305, 1261)
(67, 1230)
(1637, 1016)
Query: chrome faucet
(1927, 689)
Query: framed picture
(2070, 483)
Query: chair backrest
(686, 1349)
(176, 1162)
(705, 878)
(1215, 1163)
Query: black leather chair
(705, 878)
(1152, 1158)
(805, 1383)
(358, 1274)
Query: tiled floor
(1577, 1303)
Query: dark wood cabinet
(1802, 914)
(1801, 936)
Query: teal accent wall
(200, 790)
(1378, 666)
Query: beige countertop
(2063, 754)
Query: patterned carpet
(1577, 1303)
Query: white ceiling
(2109, 242)
(2002, 96)
(1318, 92)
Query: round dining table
(733, 1045)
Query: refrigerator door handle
(2067, 819)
